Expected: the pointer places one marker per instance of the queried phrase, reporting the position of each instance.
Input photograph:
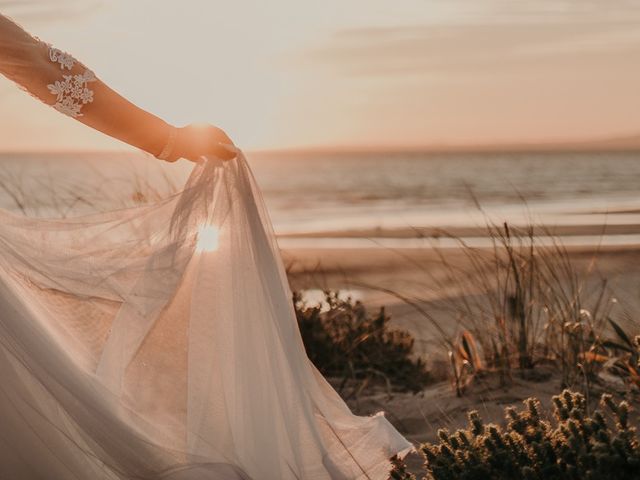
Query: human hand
(197, 140)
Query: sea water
(327, 193)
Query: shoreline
(436, 232)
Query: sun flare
(207, 238)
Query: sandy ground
(419, 417)
(371, 273)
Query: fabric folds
(160, 342)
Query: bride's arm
(59, 80)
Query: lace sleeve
(71, 91)
(59, 80)
(46, 72)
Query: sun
(207, 238)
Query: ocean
(376, 194)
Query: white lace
(72, 91)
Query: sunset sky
(381, 73)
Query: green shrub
(572, 445)
(345, 342)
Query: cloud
(486, 34)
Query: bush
(347, 343)
(573, 445)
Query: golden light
(207, 238)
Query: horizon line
(629, 142)
(355, 150)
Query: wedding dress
(160, 342)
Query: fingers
(218, 135)
(220, 144)
(224, 152)
(171, 159)
(196, 141)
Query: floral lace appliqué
(72, 91)
(64, 59)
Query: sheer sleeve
(59, 80)
(47, 73)
(73, 91)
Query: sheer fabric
(160, 342)
(45, 72)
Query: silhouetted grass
(570, 445)
(518, 302)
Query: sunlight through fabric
(207, 238)
(124, 355)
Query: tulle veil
(160, 341)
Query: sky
(346, 73)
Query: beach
(379, 276)
(387, 230)
(382, 241)
(377, 225)
(372, 273)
